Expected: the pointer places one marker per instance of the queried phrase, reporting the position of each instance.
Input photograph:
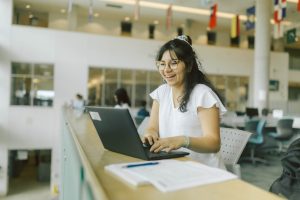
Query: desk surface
(107, 186)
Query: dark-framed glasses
(173, 64)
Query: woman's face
(173, 77)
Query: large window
(294, 59)
(234, 89)
(32, 84)
(104, 81)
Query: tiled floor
(27, 188)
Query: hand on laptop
(167, 144)
(150, 138)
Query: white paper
(171, 175)
(123, 174)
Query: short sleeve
(158, 92)
(206, 98)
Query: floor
(27, 188)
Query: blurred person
(122, 98)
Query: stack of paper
(169, 175)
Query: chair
(284, 132)
(233, 142)
(256, 126)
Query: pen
(141, 164)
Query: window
(32, 84)
(104, 81)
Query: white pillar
(262, 54)
(6, 8)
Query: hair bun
(185, 38)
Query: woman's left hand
(167, 144)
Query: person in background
(142, 113)
(122, 98)
(78, 103)
(186, 109)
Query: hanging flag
(90, 18)
(70, 4)
(279, 10)
(137, 10)
(213, 17)
(250, 23)
(278, 30)
(235, 27)
(298, 7)
(169, 17)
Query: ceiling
(119, 9)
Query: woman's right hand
(150, 138)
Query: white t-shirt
(173, 122)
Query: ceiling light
(127, 19)
(155, 22)
(27, 6)
(96, 15)
(62, 10)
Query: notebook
(118, 133)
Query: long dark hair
(122, 96)
(193, 76)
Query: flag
(169, 17)
(278, 30)
(235, 27)
(137, 10)
(298, 7)
(250, 23)
(90, 18)
(70, 4)
(213, 17)
(279, 10)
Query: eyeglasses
(173, 64)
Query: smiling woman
(186, 110)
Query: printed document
(171, 175)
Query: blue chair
(255, 126)
(284, 133)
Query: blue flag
(250, 23)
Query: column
(262, 54)
(6, 8)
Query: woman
(186, 110)
(122, 98)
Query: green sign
(291, 36)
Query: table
(96, 183)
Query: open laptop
(118, 133)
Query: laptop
(118, 133)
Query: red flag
(169, 17)
(298, 7)
(213, 16)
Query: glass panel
(95, 82)
(43, 93)
(140, 87)
(155, 81)
(111, 84)
(127, 82)
(232, 93)
(20, 91)
(21, 68)
(43, 70)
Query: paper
(171, 175)
(123, 174)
